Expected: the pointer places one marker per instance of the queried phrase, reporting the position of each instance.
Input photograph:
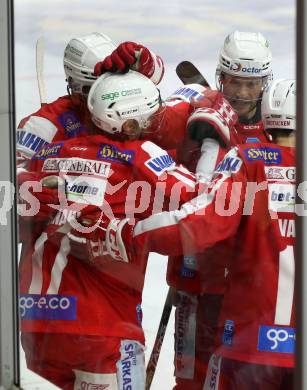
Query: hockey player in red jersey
(70, 294)
(200, 293)
(252, 198)
(68, 116)
(243, 71)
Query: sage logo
(47, 307)
(110, 96)
(116, 94)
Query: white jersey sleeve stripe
(59, 266)
(184, 179)
(285, 290)
(37, 265)
(170, 218)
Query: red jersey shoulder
(172, 127)
(50, 110)
(250, 133)
(66, 117)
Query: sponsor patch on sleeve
(29, 142)
(229, 164)
(160, 164)
(50, 150)
(276, 339)
(186, 93)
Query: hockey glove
(130, 55)
(213, 118)
(44, 189)
(119, 239)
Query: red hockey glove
(213, 118)
(130, 55)
(43, 188)
(119, 239)
(87, 234)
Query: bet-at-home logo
(115, 95)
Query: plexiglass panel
(86, 316)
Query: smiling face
(243, 93)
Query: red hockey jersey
(61, 290)
(195, 274)
(68, 117)
(252, 198)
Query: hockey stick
(189, 74)
(40, 70)
(155, 353)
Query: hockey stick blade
(189, 74)
(40, 70)
(155, 353)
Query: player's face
(131, 129)
(242, 93)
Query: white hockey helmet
(80, 57)
(245, 54)
(115, 98)
(278, 105)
